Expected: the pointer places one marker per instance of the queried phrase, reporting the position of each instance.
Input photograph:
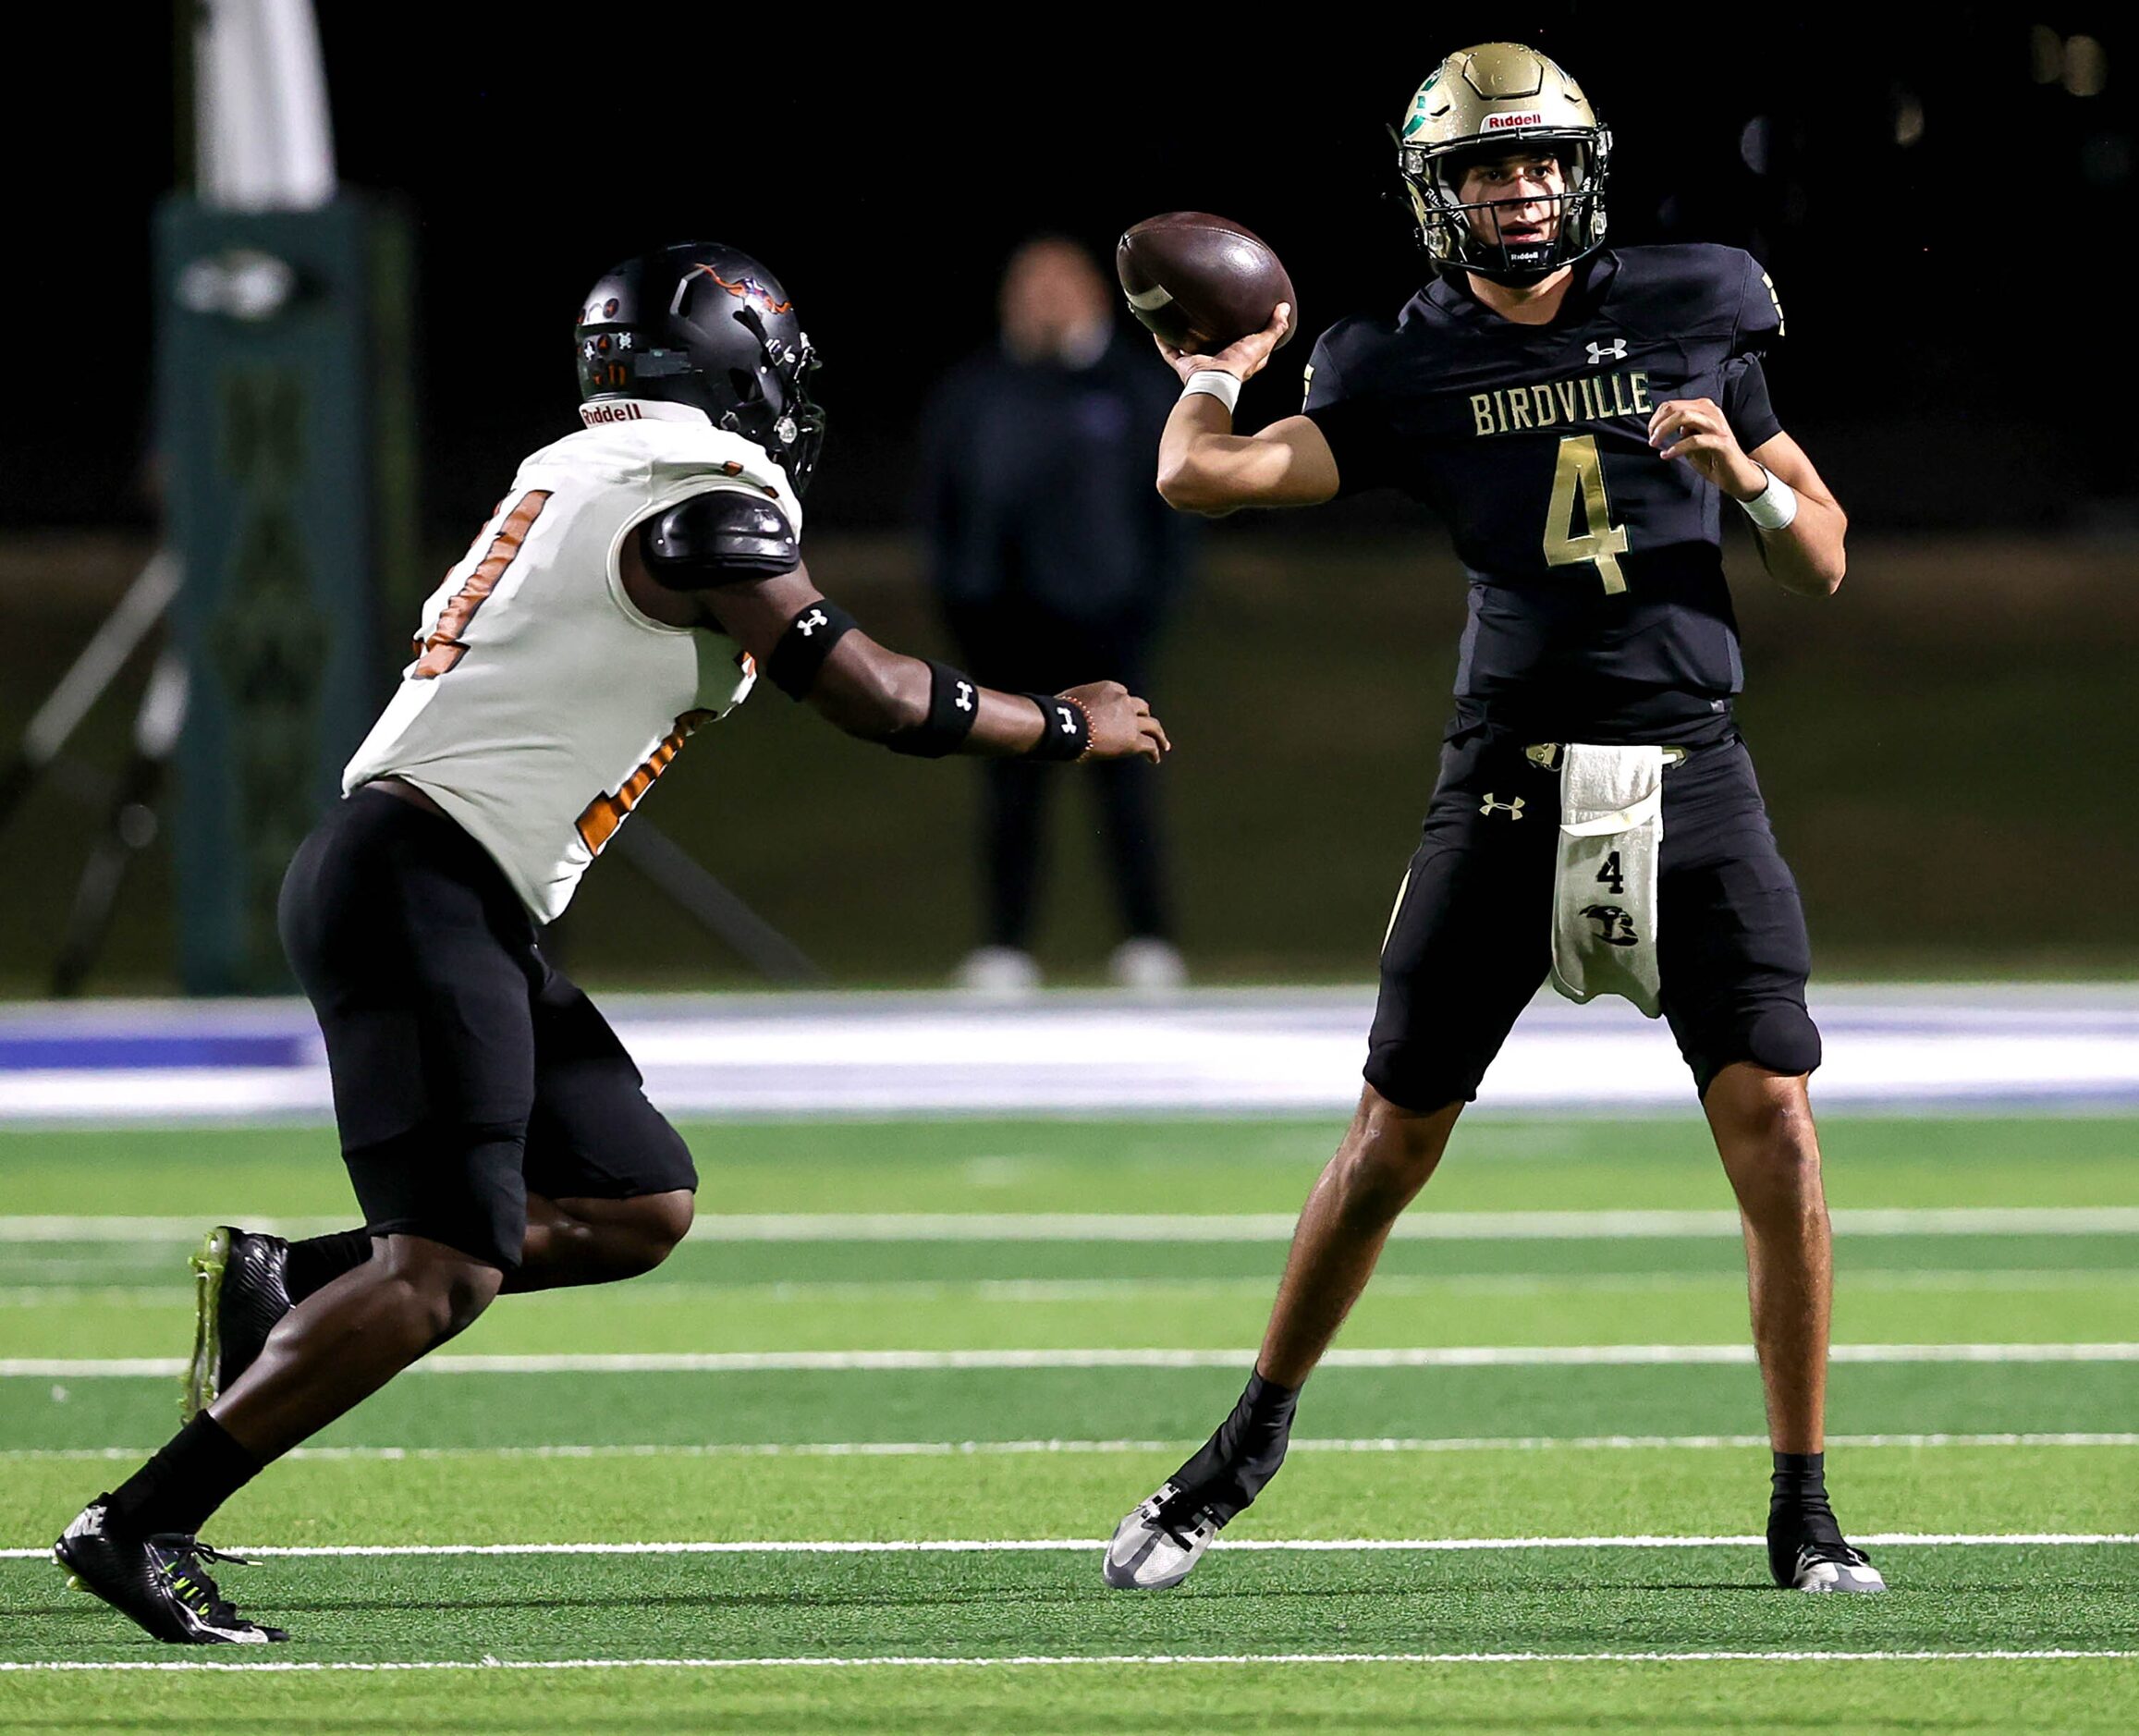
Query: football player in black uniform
(1579, 414)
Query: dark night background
(1937, 209)
(1946, 207)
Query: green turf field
(844, 1462)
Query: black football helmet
(707, 326)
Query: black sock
(1797, 1511)
(1798, 1478)
(198, 1469)
(315, 1264)
(1244, 1454)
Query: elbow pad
(802, 650)
(722, 538)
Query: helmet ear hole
(744, 384)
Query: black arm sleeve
(722, 538)
(1745, 405)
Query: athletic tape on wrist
(1065, 730)
(808, 641)
(954, 701)
(1214, 383)
(1774, 505)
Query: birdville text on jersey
(1591, 398)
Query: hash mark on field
(986, 1449)
(842, 1361)
(1944, 1220)
(1030, 1546)
(1111, 1659)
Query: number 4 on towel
(1610, 875)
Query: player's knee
(1765, 1131)
(1387, 1158)
(442, 1292)
(662, 1221)
(638, 1234)
(1781, 1170)
(464, 1297)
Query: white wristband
(1774, 505)
(1214, 383)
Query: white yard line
(1033, 1545)
(1964, 1220)
(1109, 1659)
(843, 1362)
(1045, 1291)
(1018, 1448)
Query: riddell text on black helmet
(706, 325)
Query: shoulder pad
(721, 538)
(1345, 357)
(1681, 290)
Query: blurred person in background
(1050, 550)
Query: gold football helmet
(1481, 102)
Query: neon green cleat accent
(202, 1375)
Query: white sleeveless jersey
(542, 705)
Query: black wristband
(954, 700)
(806, 643)
(1066, 729)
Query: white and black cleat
(157, 1582)
(1829, 1567)
(1160, 1544)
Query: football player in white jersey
(630, 587)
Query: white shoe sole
(1837, 1576)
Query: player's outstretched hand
(1244, 357)
(1122, 726)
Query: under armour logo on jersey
(1601, 353)
(1069, 719)
(811, 622)
(965, 696)
(1512, 809)
(1615, 927)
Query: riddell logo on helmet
(592, 413)
(1501, 123)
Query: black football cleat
(156, 1582)
(239, 1293)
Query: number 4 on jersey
(1581, 471)
(1610, 875)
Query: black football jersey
(1598, 609)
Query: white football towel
(1604, 899)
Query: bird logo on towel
(1615, 927)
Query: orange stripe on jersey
(441, 648)
(598, 825)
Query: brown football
(1201, 282)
